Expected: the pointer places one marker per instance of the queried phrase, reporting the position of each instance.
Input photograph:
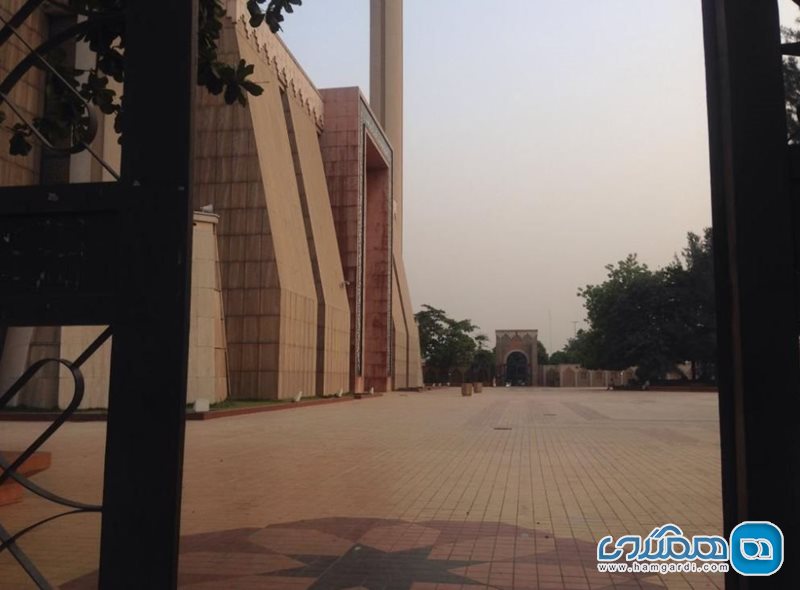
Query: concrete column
(386, 91)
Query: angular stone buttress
(287, 315)
(316, 298)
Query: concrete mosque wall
(360, 165)
(245, 169)
(23, 346)
(298, 279)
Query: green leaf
(19, 144)
(232, 93)
(252, 88)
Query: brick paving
(510, 488)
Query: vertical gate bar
(144, 445)
(759, 361)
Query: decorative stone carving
(290, 74)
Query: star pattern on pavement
(344, 553)
(373, 569)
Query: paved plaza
(510, 488)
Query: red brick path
(506, 489)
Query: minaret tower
(386, 91)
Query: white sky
(544, 140)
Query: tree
(578, 350)
(447, 344)
(689, 281)
(541, 353)
(791, 84)
(481, 340)
(561, 357)
(66, 120)
(483, 365)
(651, 319)
(483, 361)
(626, 319)
(568, 355)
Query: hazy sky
(544, 140)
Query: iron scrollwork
(9, 470)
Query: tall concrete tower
(386, 90)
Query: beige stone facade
(208, 351)
(333, 307)
(207, 374)
(244, 168)
(298, 282)
(406, 330)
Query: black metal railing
(10, 469)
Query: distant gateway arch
(517, 341)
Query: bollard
(478, 387)
(466, 389)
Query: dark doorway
(517, 369)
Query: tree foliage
(541, 353)
(447, 344)
(653, 320)
(483, 365)
(626, 316)
(574, 351)
(692, 325)
(66, 121)
(561, 357)
(791, 84)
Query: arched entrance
(517, 368)
(515, 351)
